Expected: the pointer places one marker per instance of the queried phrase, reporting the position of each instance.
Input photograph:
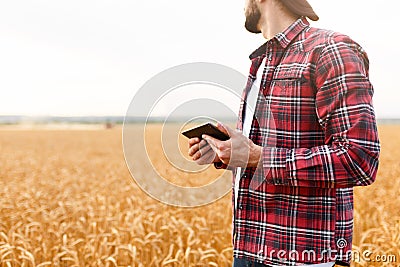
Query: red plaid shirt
(315, 121)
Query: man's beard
(253, 18)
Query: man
(311, 138)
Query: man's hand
(238, 151)
(201, 152)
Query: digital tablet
(208, 129)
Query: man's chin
(252, 29)
(251, 24)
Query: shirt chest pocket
(287, 82)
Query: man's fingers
(202, 151)
(215, 144)
(193, 141)
(193, 150)
(212, 141)
(203, 143)
(206, 157)
(196, 147)
(221, 148)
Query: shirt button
(240, 207)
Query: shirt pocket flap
(285, 73)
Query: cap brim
(301, 7)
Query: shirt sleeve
(349, 156)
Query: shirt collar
(284, 38)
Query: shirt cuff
(274, 165)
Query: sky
(89, 57)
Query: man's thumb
(224, 129)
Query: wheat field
(67, 199)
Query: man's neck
(275, 20)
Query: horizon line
(18, 119)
